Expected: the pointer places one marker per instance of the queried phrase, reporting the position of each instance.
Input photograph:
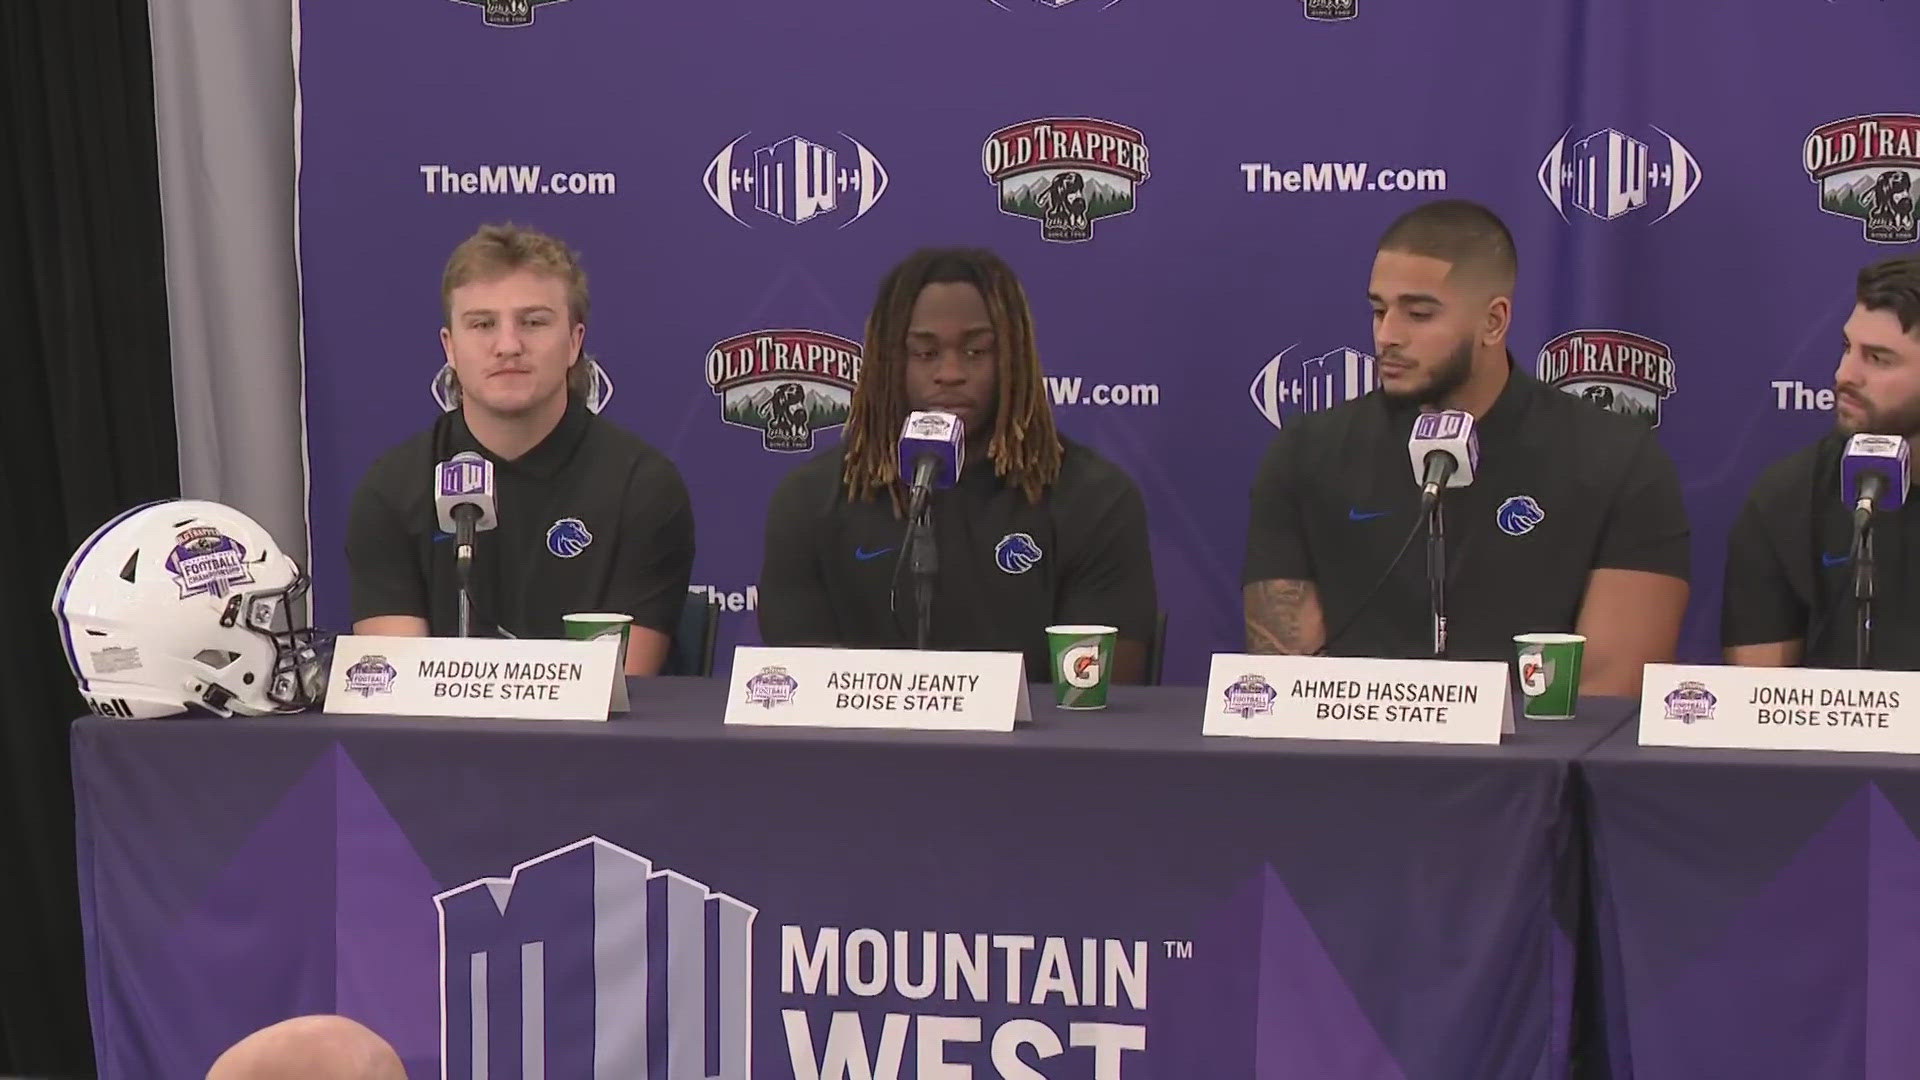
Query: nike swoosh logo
(1356, 515)
(1833, 560)
(863, 554)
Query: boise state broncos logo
(1518, 515)
(568, 537)
(1016, 553)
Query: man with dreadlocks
(1039, 530)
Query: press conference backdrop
(1190, 191)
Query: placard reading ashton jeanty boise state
(1780, 708)
(1323, 697)
(877, 688)
(475, 677)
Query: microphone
(1444, 450)
(1874, 475)
(933, 445)
(463, 499)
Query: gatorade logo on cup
(1080, 664)
(1536, 673)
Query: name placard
(1329, 697)
(878, 688)
(1754, 708)
(522, 679)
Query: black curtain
(86, 429)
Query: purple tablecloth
(1102, 895)
(1758, 911)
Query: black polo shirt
(1790, 569)
(1008, 568)
(591, 519)
(1563, 487)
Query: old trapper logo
(507, 12)
(785, 384)
(796, 180)
(1332, 10)
(1867, 168)
(1066, 173)
(636, 952)
(1619, 371)
(1610, 174)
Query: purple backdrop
(1654, 157)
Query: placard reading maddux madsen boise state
(1326, 697)
(521, 679)
(878, 688)
(1780, 708)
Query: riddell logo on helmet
(1066, 172)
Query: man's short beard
(1449, 376)
(1902, 422)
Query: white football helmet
(183, 604)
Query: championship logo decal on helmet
(205, 561)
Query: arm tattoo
(1283, 617)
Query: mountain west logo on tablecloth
(796, 180)
(612, 953)
(1609, 174)
(785, 384)
(1066, 172)
(1868, 168)
(1316, 385)
(1332, 10)
(206, 560)
(371, 675)
(1617, 370)
(772, 686)
(1249, 696)
(507, 12)
(598, 394)
(1690, 701)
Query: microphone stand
(463, 570)
(1437, 577)
(924, 561)
(1863, 594)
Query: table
(1099, 895)
(1758, 911)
